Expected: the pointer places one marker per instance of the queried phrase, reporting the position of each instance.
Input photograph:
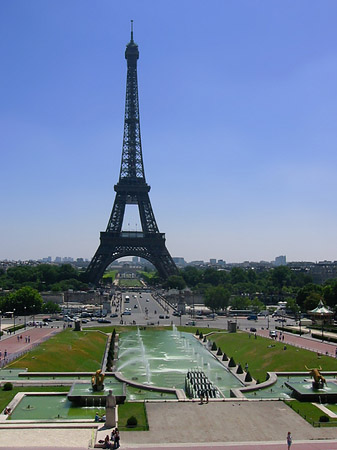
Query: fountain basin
(304, 392)
(81, 394)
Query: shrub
(8, 386)
(248, 377)
(324, 419)
(201, 335)
(197, 332)
(224, 357)
(239, 369)
(131, 422)
(231, 363)
(219, 352)
(205, 340)
(214, 347)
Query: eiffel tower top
(132, 47)
(132, 167)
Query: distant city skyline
(238, 107)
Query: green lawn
(309, 412)
(110, 274)
(129, 282)
(132, 409)
(7, 396)
(68, 351)
(262, 358)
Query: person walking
(289, 440)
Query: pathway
(305, 341)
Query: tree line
(251, 289)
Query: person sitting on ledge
(96, 417)
(7, 411)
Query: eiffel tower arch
(131, 189)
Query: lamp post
(268, 321)
(33, 315)
(25, 316)
(14, 319)
(300, 323)
(322, 317)
(0, 324)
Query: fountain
(315, 391)
(81, 394)
(162, 359)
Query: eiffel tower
(131, 189)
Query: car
(114, 315)
(85, 320)
(176, 313)
(272, 333)
(253, 330)
(167, 317)
(161, 316)
(252, 317)
(136, 306)
(191, 322)
(147, 300)
(126, 313)
(104, 321)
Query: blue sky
(238, 106)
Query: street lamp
(25, 316)
(0, 323)
(322, 317)
(300, 323)
(33, 315)
(14, 319)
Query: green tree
(216, 297)
(240, 302)
(24, 297)
(312, 301)
(257, 305)
(51, 308)
(281, 276)
(176, 282)
(292, 305)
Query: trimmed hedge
(232, 363)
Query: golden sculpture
(97, 380)
(319, 380)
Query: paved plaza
(236, 425)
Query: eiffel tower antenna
(131, 189)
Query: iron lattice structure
(131, 189)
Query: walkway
(305, 341)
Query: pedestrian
(246, 367)
(289, 440)
(282, 337)
(117, 438)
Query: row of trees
(249, 289)
(43, 277)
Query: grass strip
(132, 409)
(310, 413)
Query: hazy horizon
(238, 107)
